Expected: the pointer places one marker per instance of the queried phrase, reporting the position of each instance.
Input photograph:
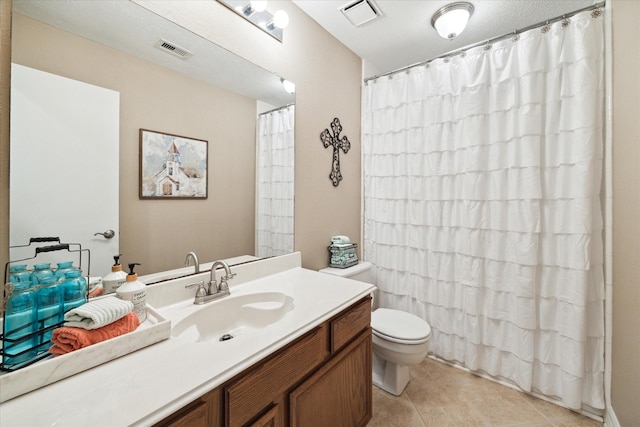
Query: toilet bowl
(400, 339)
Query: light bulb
(258, 5)
(280, 19)
(290, 87)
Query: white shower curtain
(482, 177)
(275, 175)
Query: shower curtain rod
(489, 41)
(276, 109)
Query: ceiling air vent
(174, 49)
(360, 12)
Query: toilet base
(390, 377)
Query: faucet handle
(202, 290)
(224, 286)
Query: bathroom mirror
(230, 212)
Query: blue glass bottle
(18, 273)
(74, 290)
(63, 267)
(19, 322)
(50, 309)
(40, 272)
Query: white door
(64, 167)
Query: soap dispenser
(135, 291)
(112, 281)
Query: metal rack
(39, 349)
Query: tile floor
(440, 395)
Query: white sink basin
(232, 316)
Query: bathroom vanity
(321, 379)
(300, 356)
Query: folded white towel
(98, 313)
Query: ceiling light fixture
(451, 20)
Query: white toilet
(400, 339)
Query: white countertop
(144, 387)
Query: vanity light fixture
(255, 11)
(259, 5)
(451, 20)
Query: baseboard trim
(610, 419)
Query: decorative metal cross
(327, 139)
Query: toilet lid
(399, 324)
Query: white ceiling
(403, 34)
(130, 28)
(400, 37)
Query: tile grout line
(523, 396)
(413, 405)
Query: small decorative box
(343, 256)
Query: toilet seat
(400, 341)
(399, 327)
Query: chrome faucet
(213, 291)
(190, 256)
(223, 287)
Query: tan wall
(159, 233)
(328, 78)
(5, 101)
(625, 387)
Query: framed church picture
(172, 166)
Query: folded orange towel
(96, 292)
(67, 339)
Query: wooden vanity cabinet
(271, 418)
(337, 394)
(204, 411)
(263, 385)
(321, 379)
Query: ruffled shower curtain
(275, 175)
(482, 177)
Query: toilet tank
(361, 272)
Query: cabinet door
(261, 387)
(339, 394)
(204, 412)
(269, 419)
(195, 417)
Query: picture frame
(172, 166)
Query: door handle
(107, 234)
